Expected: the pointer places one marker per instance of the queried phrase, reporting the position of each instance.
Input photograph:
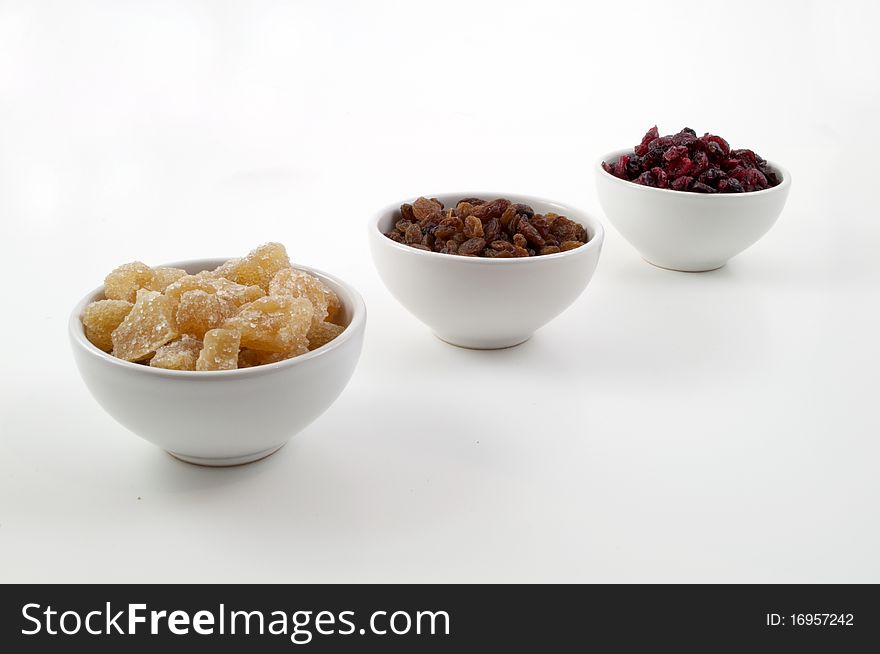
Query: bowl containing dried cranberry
(218, 362)
(484, 270)
(690, 203)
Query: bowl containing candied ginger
(219, 362)
(484, 270)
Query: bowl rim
(355, 303)
(736, 197)
(588, 221)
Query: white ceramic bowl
(691, 232)
(484, 303)
(230, 417)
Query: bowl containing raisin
(219, 362)
(484, 270)
(690, 203)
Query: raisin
(493, 209)
(473, 227)
(472, 246)
(524, 210)
(507, 216)
(406, 212)
(424, 208)
(492, 229)
(519, 240)
(528, 230)
(413, 234)
(503, 246)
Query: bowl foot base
(688, 268)
(484, 344)
(225, 462)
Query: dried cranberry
(701, 163)
(730, 185)
(699, 187)
(682, 183)
(642, 148)
(675, 152)
(680, 167)
(646, 179)
(661, 177)
(746, 155)
(711, 138)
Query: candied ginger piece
(124, 281)
(334, 307)
(230, 294)
(249, 358)
(233, 296)
(178, 355)
(219, 350)
(147, 327)
(101, 318)
(297, 283)
(323, 333)
(163, 277)
(273, 324)
(198, 312)
(258, 267)
(198, 282)
(224, 269)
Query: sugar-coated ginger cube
(101, 318)
(323, 333)
(258, 267)
(298, 283)
(334, 307)
(273, 324)
(230, 294)
(198, 282)
(123, 282)
(198, 312)
(163, 277)
(249, 358)
(233, 296)
(178, 355)
(219, 350)
(147, 327)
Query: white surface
(667, 427)
(482, 303)
(688, 232)
(223, 418)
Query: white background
(667, 427)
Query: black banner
(443, 618)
